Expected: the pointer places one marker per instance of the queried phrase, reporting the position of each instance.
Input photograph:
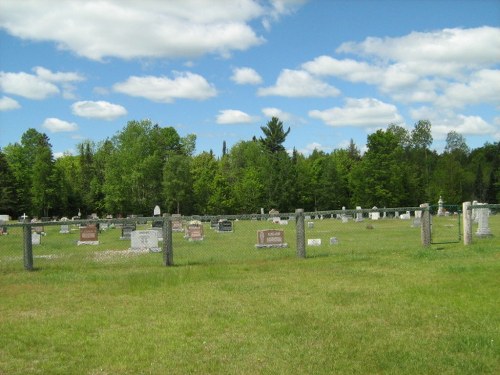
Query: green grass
(378, 302)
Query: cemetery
(221, 272)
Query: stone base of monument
(277, 245)
(87, 243)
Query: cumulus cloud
(38, 86)
(184, 85)
(365, 112)
(100, 109)
(234, 116)
(246, 76)
(475, 46)
(445, 120)
(299, 83)
(168, 29)
(55, 125)
(449, 67)
(276, 112)
(8, 104)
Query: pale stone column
(467, 215)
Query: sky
(331, 70)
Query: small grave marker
(36, 238)
(271, 238)
(225, 226)
(194, 232)
(89, 235)
(334, 241)
(314, 242)
(64, 229)
(127, 229)
(177, 223)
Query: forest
(144, 165)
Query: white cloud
(468, 47)
(348, 69)
(276, 112)
(55, 125)
(40, 85)
(234, 116)
(8, 104)
(449, 67)
(99, 109)
(27, 85)
(299, 83)
(482, 87)
(366, 112)
(444, 121)
(47, 75)
(246, 76)
(185, 85)
(98, 29)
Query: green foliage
(145, 165)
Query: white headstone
(375, 215)
(144, 240)
(359, 215)
(64, 229)
(483, 229)
(157, 211)
(36, 238)
(314, 242)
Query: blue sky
(332, 70)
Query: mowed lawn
(375, 303)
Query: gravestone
(440, 207)
(271, 238)
(38, 229)
(483, 229)
(127, 230)
(417, 219)
(214, 223)
(194, 231)
(359, 215)
(225, 226)
(89, 235)
(3, 228)
(310, 224)
(36, 238)
(64, 229)
(334, 241)
(177, 223)
(141, 240)
(314, 242)
(103, 226)
(375, 215)
(157, 211)
(474, 212)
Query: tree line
(145, 165)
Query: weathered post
(425, 229)
(168, 251)
(301, 233)
(467, 215)
(28, 248)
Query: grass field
(378, 302)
